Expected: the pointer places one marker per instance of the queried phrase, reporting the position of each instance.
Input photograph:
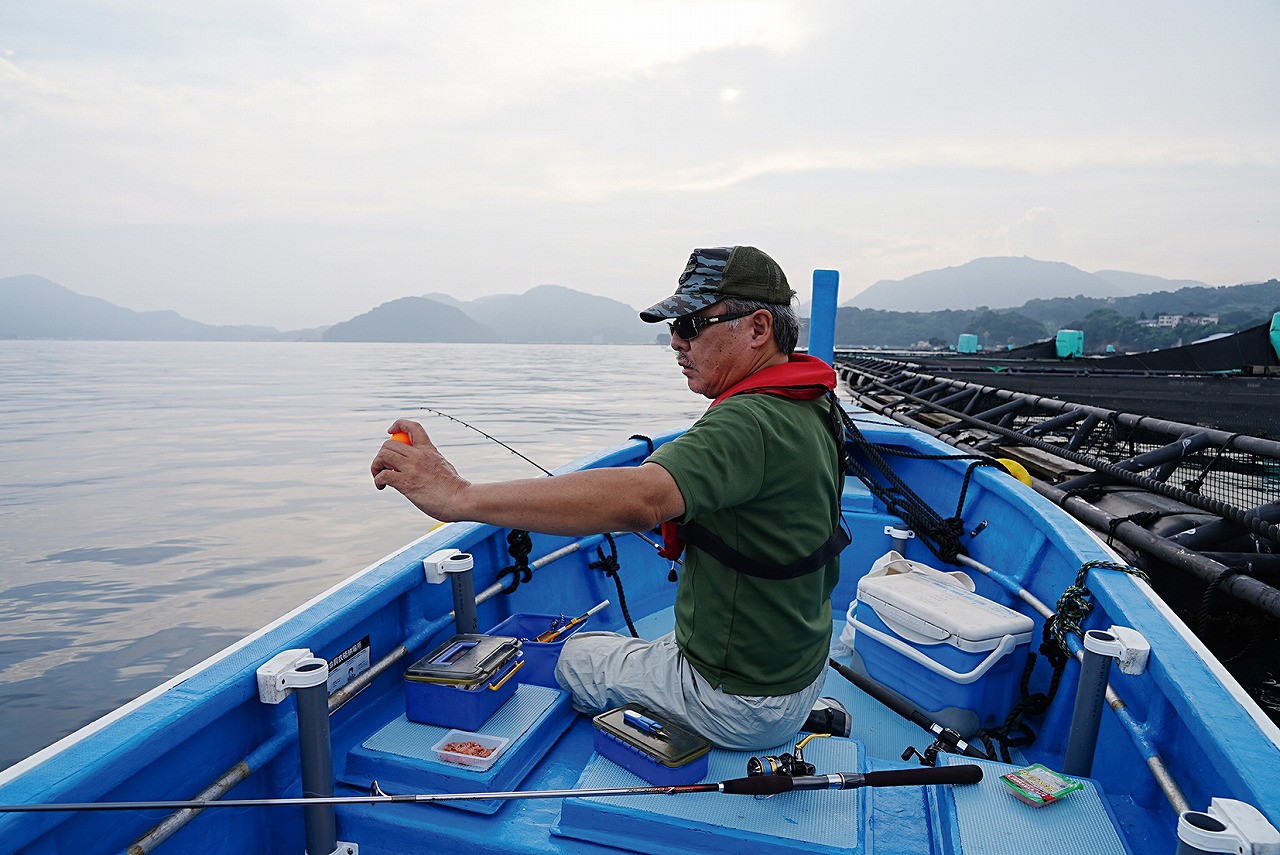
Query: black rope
(1211, 610)
(941, 536)
(645, 438)
(1073, 607)
(608, 564)
(1141, 518)
(1206, 614)
(519, 545)
(1194, 485)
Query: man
(755, 486)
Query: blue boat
(1124, 735)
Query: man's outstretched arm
(576, 503)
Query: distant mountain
(996, 283)
(552, 313)
(447, 299)
(1253, 300)
(32, 307)
(1140, 283)
(411, 319)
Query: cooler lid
(677, 749)
(465, 660)
(927, 610)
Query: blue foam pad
(824, 821)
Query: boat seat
(986, 818)
(400, 758)
(710, 823)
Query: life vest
(803, 378)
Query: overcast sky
(297, 163)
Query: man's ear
(761, 328)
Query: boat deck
(552, 748)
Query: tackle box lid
(928, 610)
(679, 748)
(465, 660)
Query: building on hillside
(1168, 322)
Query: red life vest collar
(802, 377)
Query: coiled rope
(1073, 607)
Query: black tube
(317, 768)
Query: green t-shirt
(760, 472)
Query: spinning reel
(791, 765)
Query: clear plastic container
(456, 747)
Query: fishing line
(638, 534)
(488, 437)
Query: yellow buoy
(1016, 469)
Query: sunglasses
(688, 327)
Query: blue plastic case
(463, 681)
(681, 758)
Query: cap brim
(678, 305)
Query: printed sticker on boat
(349, 664)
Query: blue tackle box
(957, 656)
(540, 657)
(463, 681)
(646, 745)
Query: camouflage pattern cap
(720, 272)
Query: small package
(1038, 785)
(645, 744)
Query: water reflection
(159, 500)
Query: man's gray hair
(786, 323)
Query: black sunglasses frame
(692, 325)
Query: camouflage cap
(723, 271)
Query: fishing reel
(791, 765)
(948, 741)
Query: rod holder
(456, 566)
(899, 534)
(306, 676)
(1228, 826)
(1131, 650)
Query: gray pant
(604, 670)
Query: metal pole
(464, 602)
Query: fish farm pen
(1194, 507)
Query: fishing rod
(762, 785)
(536, 465)
(488, 437)
(556, 631)
(945, 739)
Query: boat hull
(209, 725)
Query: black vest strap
(701, 537)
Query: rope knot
(519, 545)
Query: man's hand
(420, 472)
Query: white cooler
(955, 655)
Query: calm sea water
(160, 500)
